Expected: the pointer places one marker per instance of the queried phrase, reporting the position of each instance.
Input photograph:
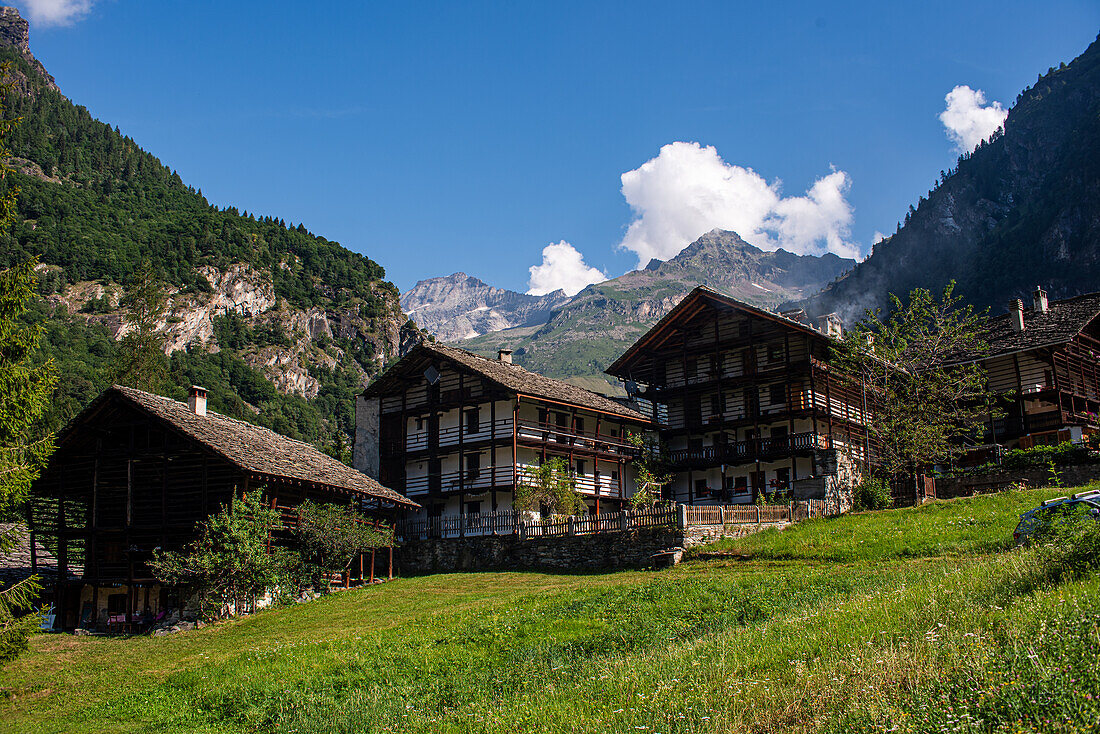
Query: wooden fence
(509, 522)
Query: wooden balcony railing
(479, 480)
(737, 452)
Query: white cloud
(967, 118)
(688, 190)
(57, 12)
(562, 267)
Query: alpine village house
(748, 403)
(1044, 362)
(135, 471)
(456, 431)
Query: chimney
(1040, 299)
(505, 356)
(196, 400)
(1016, 315)
(830, 325)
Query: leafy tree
(230, 560)
(650, 470)
(924, 402)
(141, 359)
(552, 486)
(330, 535)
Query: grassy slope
(798, 644)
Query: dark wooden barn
(135, 471)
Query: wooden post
(372, 565)
(391, 562)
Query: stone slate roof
(1062, 321)
(15, 565)
(257, 450)
(509, 376)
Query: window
(473, 508)
(782, 478)
(580, 467)
(692, 368)
(578, 425)
(420, 423)
(752, 401)
(544, 415)
(775, 353)
(730, 484)
(701, 489)
(741, 485)
(473, 420)
(473, 515)
(562, 419)
(777, 393)
(716, 405)
(473, 466)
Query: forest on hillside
(94, 206)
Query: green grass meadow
(915, 620)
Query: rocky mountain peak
(15, 34)
(14, 31)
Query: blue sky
(437, 137)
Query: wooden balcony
(530, 433)
(479, 481)
(744, 452)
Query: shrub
(872, 494)
(229, 561)
(1041, 457)
(329, 536)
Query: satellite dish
(431, 375)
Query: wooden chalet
(1045, 363)
(747, 401)
(454, 430)
(135, 471)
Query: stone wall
(971, 484)
(637, 548)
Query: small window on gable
(775, 353)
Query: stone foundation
(637, 548)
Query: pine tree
(141, 361)
(25, 389)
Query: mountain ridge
(282, 325)
(460, 306)
(584, 336)
(1022, 209)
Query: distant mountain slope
(585, 335)
(1022, 210)
(459, 306)
(282, 325)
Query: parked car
(1058, 509)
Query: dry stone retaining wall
(636, 548)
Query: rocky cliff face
(14, 33)
(459, 307)
(1022, 210)
(250, 295)
(587, 333)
